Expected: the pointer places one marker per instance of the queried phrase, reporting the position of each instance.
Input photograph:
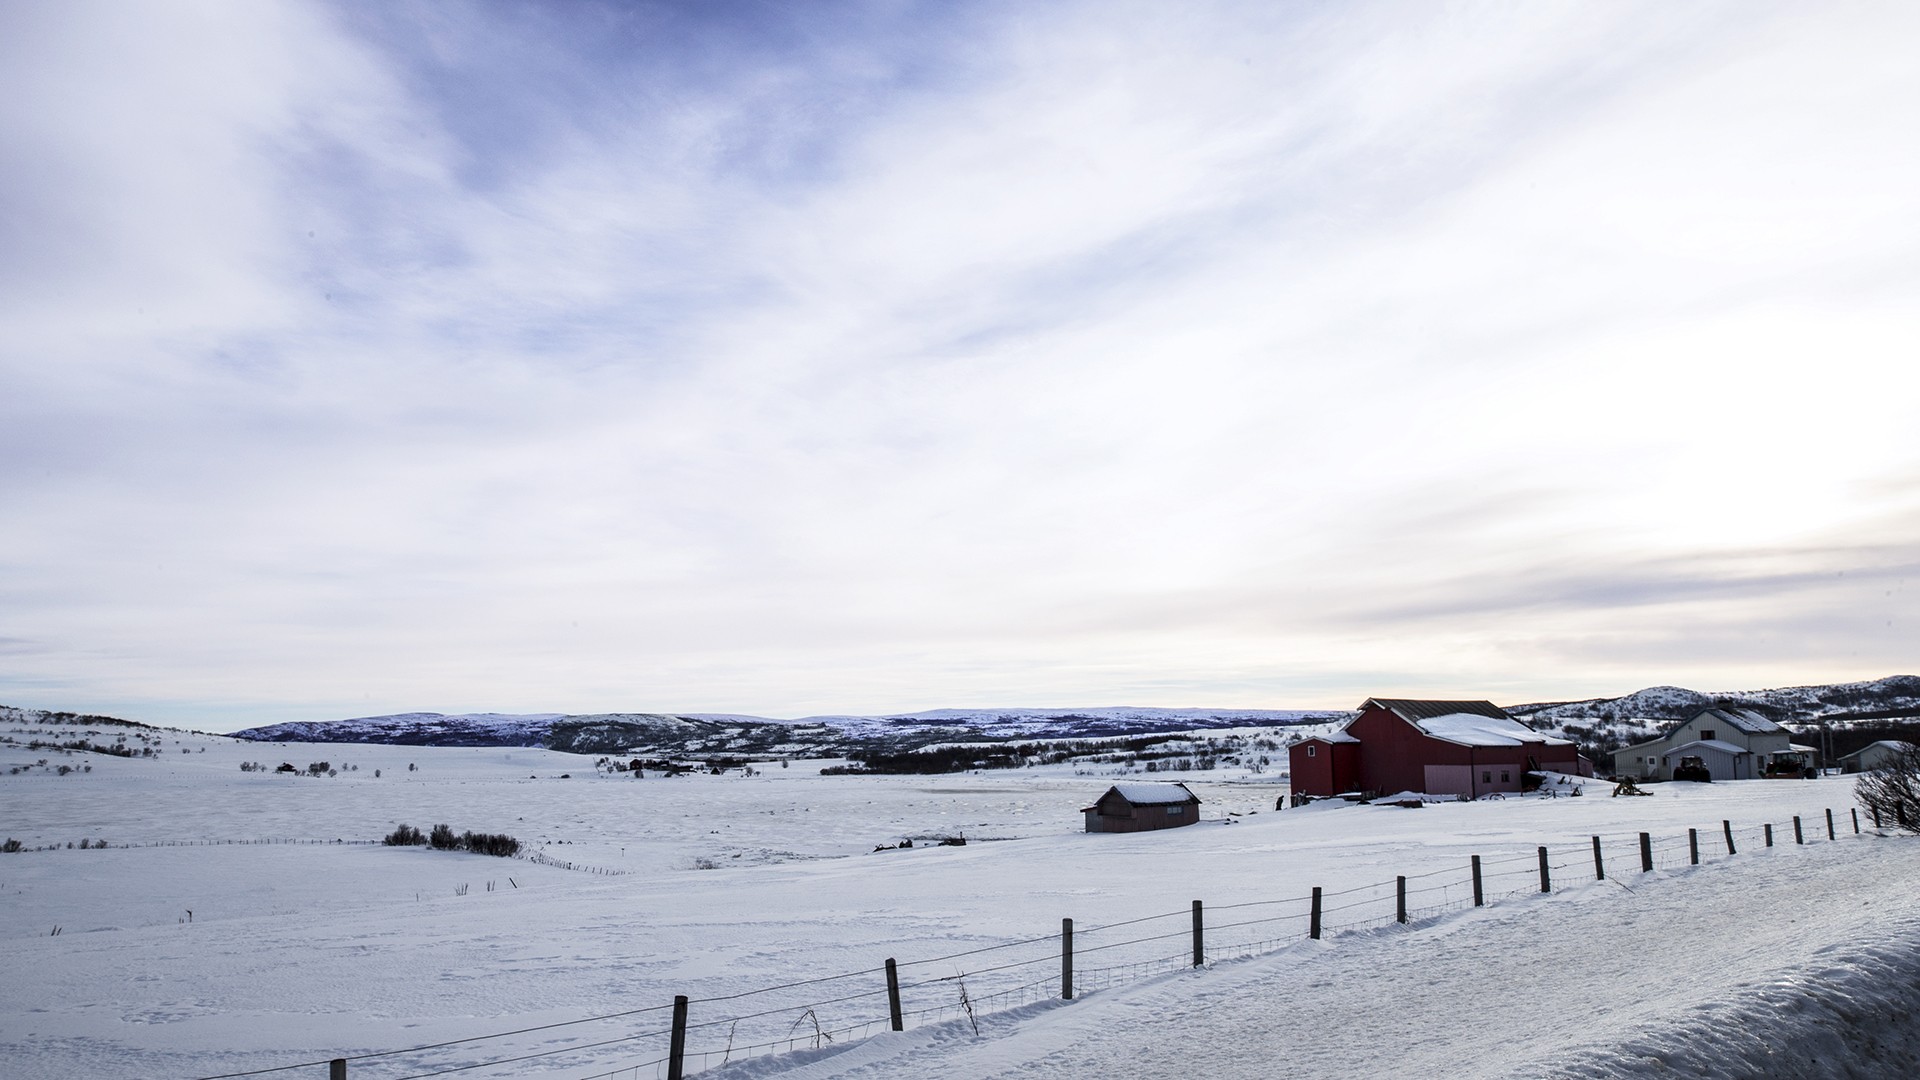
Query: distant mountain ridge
(1893, 695)
(724, 733)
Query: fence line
(969, 992)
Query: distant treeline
(985, 755)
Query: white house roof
(1474, 729)
(1155, 794)
(1744, 720)
(1710, 744)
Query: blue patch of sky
(516, 83)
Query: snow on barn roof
(1331, 736)
(1155, 794)
(1476, 729)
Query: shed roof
(1414, 710)
(1154, 794)
(1477, 729)
(1742, 719)
(1331, 737)
(1895, 745)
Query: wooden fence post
(1693, 846)
(1400, 898)
(1767, 831)
(1066, 959)
(1646, 853)
(893, 995)
(1876, 815)
(337, 1069)
(1479, 898)
(1546, 882)
(1830, 835)
(1313, 918)
(1798, 838)
(1856, 821)
(677, 1045)
(1199, 942)
(1726, 827)
(1599, 864)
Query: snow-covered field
(720, 887)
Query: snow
(1471, 729)
(1153, 794)
(301, 952)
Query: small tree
(443, 838)
(1892, 792)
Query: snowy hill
(722, 733)
(1893, 695)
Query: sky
(868, 357)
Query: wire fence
(695, 1035)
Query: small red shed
(1139, 807)
(1466, 748)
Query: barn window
(1310, 750)
(1706, 736)
(1176, 811)
(1503, 776)
(1486, 778)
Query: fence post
(1767, 831)
(1856, 821)
(1066, 959)
(1313, 919)
(1797, 837)
(337, 1069)
(1830, 835)
(1199, 942)
(1693, 846)
(1479, 898)
(677, 1046)
(1727, 828)
(893, 995)
(1599, 864)
(1646, 853)
(1876, 815)
(1400, 898)
(1546, 882)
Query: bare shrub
(404, 836)
(1892, 793)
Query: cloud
(903, 356)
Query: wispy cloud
(888, 356)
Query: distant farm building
(1470, 748)
(1139, 807)
(1874, 756)
(1729, 744)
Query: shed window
(1310, 750)
(1706, 736)
(1503, 776)
(1486, 778)
(1176, 811)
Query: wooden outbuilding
(1469, 748)
(1140, 807)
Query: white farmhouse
(1731, 744)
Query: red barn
(1466, 748)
